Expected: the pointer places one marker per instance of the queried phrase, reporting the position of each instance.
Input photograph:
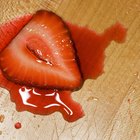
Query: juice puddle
(90, 48)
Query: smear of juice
(90, 47)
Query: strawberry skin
(42, 55)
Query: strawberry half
(42, 55)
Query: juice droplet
(18, 125)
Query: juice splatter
(90, 47)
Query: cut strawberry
(42, 55)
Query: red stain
(18, 125)
(90, 48)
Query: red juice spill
(90, 48)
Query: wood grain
(111, 102)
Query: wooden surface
(112, 102)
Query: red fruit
(42, 55)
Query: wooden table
(112, 102)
